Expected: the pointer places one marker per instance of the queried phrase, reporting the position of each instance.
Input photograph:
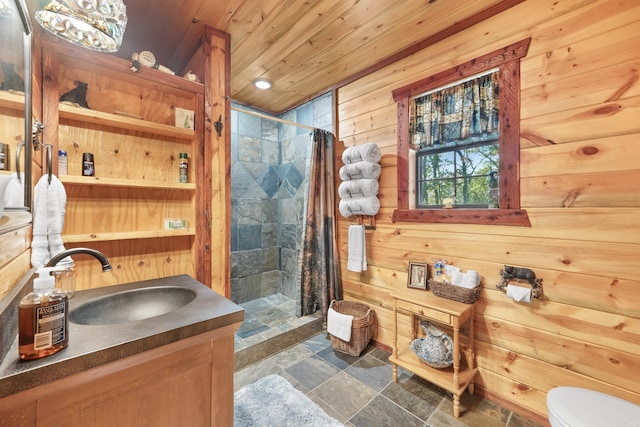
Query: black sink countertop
(94, 345)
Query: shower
(268, 162)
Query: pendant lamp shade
(95, 24)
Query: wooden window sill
(513, 217)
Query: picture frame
(418, 275)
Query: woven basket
(453, 292)
(361, 327)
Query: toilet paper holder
(520, 274)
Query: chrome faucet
(97, 254)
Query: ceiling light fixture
(95, 24)
(262, 83)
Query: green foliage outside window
(461, 173)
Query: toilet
(579, 407)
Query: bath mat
(273, 401)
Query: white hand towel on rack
(339, 325)
(40, 244)
(360, 170)
(14, 193)
(357, 248)
(56, 209)
(358, 188)
(49, 204)
(368, 152)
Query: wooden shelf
(118, 182)
(426, 306)
(11, 100)
(440, 377)
(126, 235)
(123, 122)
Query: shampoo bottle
(43, 324)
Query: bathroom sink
(132, 305)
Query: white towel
(49, 203)
(339, 325)
(40, 243)
(360, 170)
(14, 193)
(357, 249)
(361, 206)
(56, 210)
(358, 188)
(369, 152)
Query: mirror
(15, 106)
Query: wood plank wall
(579, 184)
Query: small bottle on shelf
(87, 165)
(62, 162)
(183, 167)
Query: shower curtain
(319, 265)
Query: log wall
(580, 100)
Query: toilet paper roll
(519, 293)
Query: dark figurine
(520, 274)
(78, 95)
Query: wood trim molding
(514, 217)
(507, 60)
(478, 65)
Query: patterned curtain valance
(457, 115)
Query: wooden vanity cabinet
(449, 315)
(130, 128)
(187, 383)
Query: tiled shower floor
(270, 325)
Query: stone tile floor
(266, 318)
(357, 391)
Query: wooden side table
(420, 305)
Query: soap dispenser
(43, 323)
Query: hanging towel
(40, 243)
(357, 248)
(49, 203)
(360, 170)
(358, 188)
(360, 206)
(369, 152)
(339, 325)
(14, 193)
(56, 209)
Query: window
(454, 132)
(472, 156)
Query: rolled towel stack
(360, 170)
(368, 152)
(359, 190)
(359, 206)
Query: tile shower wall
(267, 197)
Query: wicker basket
(453, 292)
(361, 328)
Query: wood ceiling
(305, 47)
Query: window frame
(507, 61)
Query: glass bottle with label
(43, 323)
(183, 166)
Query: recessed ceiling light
(262, 83)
